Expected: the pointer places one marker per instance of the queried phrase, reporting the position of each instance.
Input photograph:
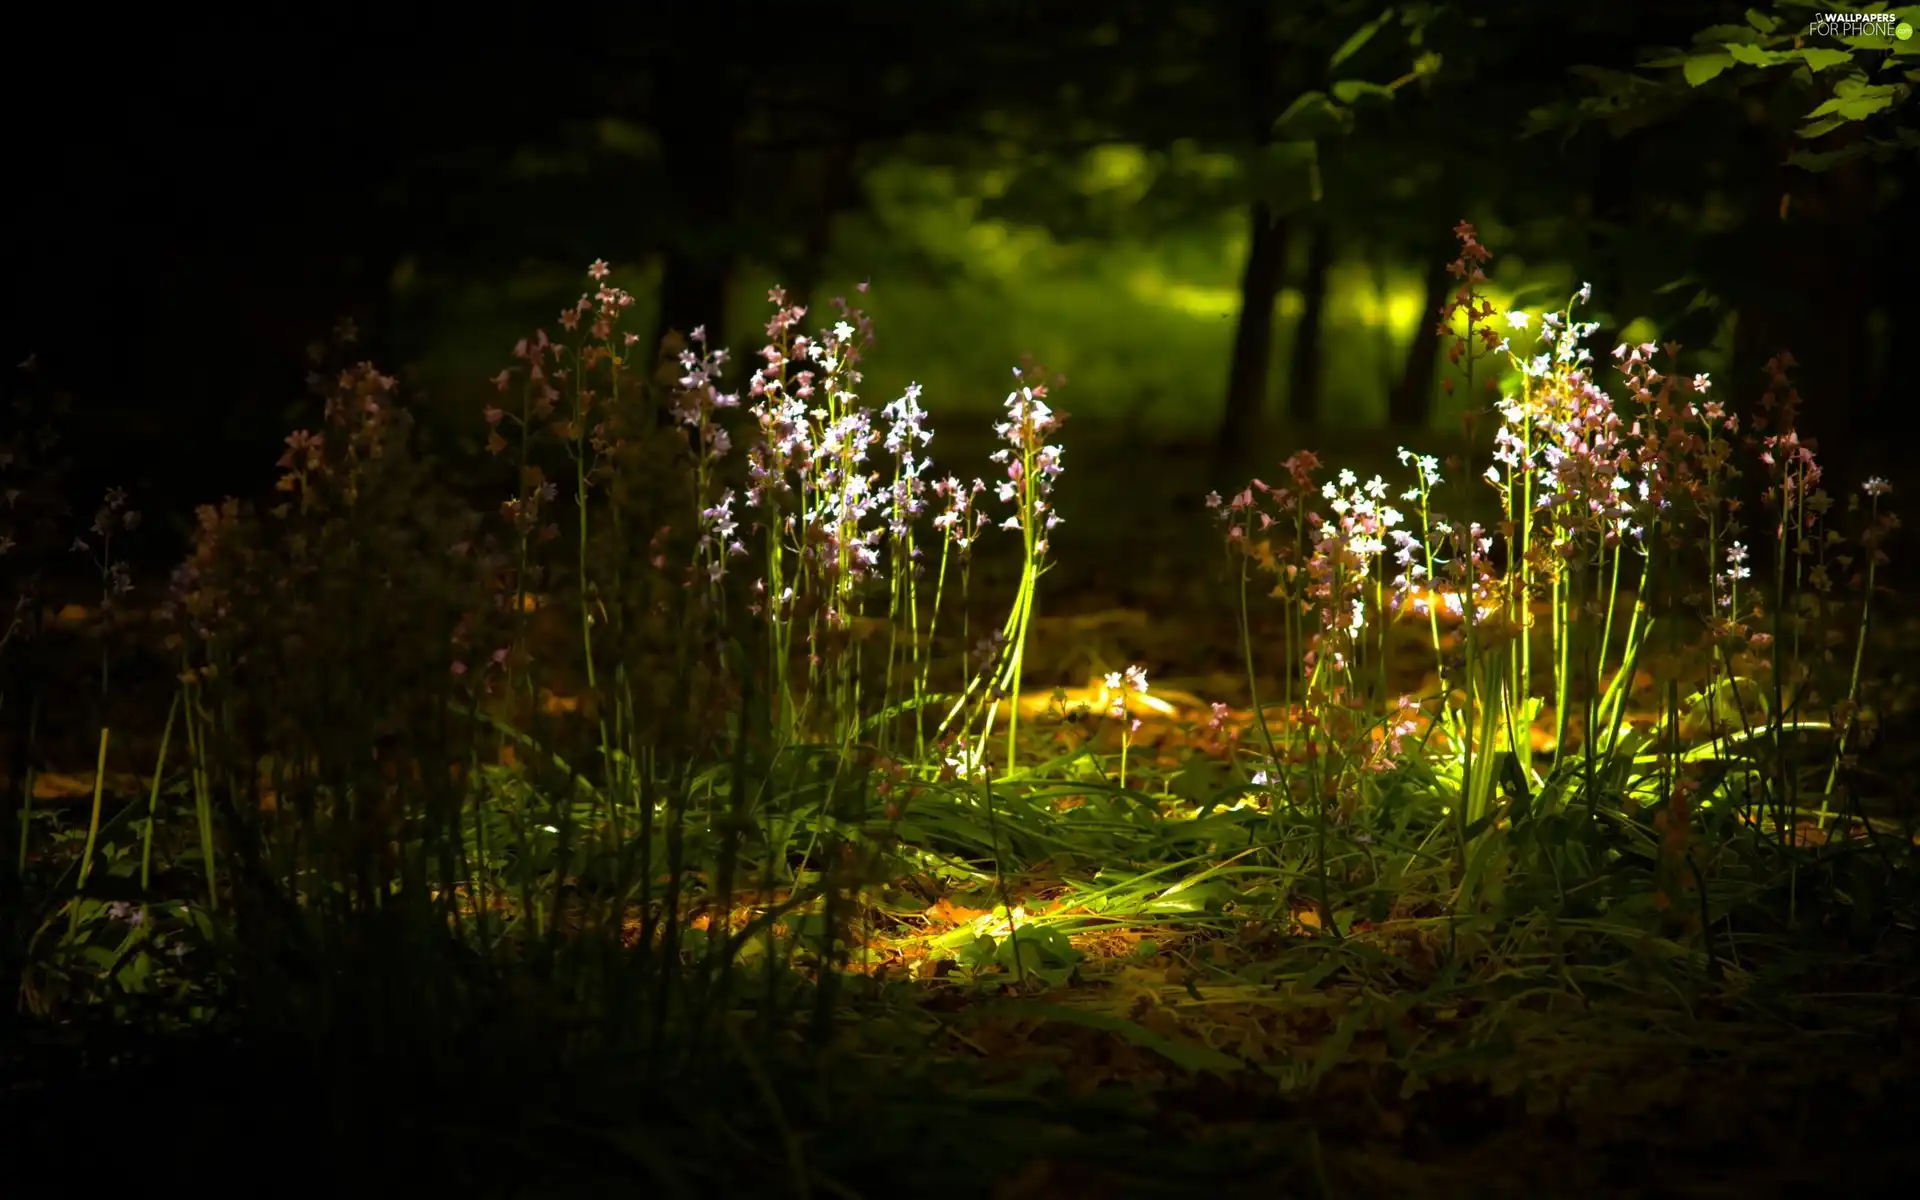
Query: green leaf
(1764, 22)
(1754, 56)
(1025, 955)
(1360, 37)
(1824, 125)
(1321, 971)
(1852, 85)
(1208, 896)
(1311, 115)
(1820, 57)
(1856, 104)
(1185, 1055)
(1702, 67)
(1355, 91)
(976, 954)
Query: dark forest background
(1226, 222)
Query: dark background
(192, 199)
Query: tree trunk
(1816, 303)
(1269, 240)
(1307, 369)
(1836, 291)
(1260, 284)
(1410, 404)
(701, 166)
(693, 295)
(839, 192)
(1819, 310)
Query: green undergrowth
(688, 820)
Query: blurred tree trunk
(1410, 404)
(693, 294)
(1836, 293)
(1308, 368)
(700, 168)
(1817, 304)
(1268, 242)
(1265, 271)
(838, 192)
(1814, 302)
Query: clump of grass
(1591, 491)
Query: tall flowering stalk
(1118, 684)
(960, 523)
(697, 407)
(825, 512)
(1331, 577)
(1662, 449)
(573, 391)
(543, 364)
(1414, 586)
(1880, 526)
(781, 451)
(1269, 525)
(906, 501)
(1798, 504)
(1561, 467)
(1032, 464)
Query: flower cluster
(959, 520)
(358, 415)
(1479, 338)
(1346, 550)
(699, 400)
(1256, 509)
(1677, 453)
(1466, 570)
(1561, 448)
(198, 596)
(1118, 684)
(111, 517)
(906, 427)
(809, 477)
(1032, 465)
